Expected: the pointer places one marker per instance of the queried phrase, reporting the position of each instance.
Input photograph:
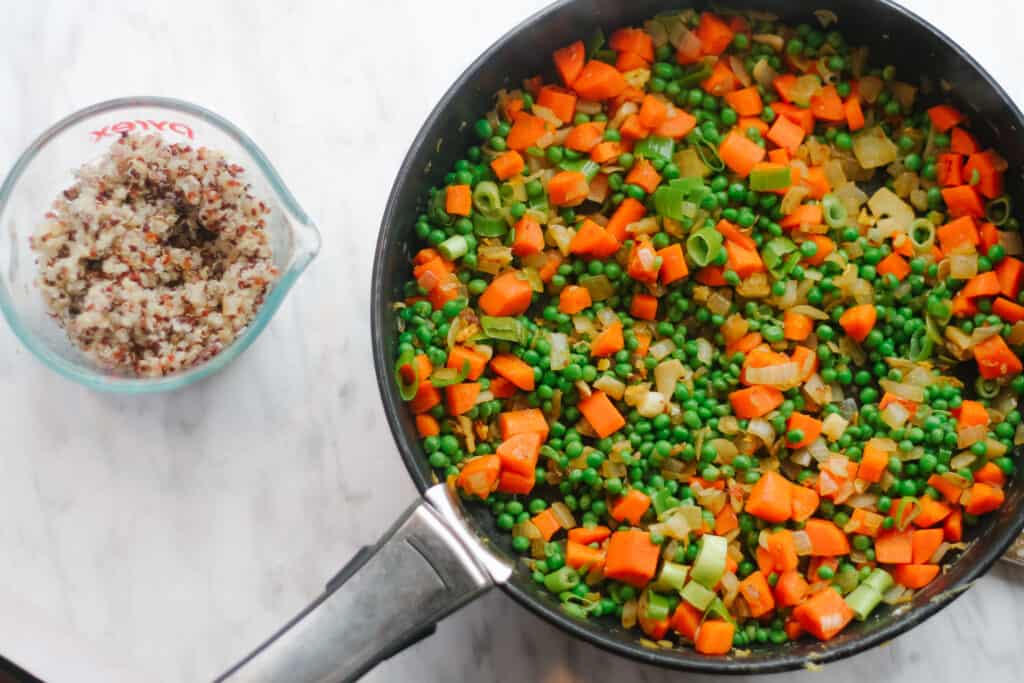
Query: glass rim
(305, 234)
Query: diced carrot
(784, 85)
(522, 422)
(949, 170)
(460, 398)
(956, 233)
(982, 498)
(755, 401)
(574, 299)
(924, 543)
(653, 112)
(858, 321)
(601, 414)
(872, 463)
(631, 557)
(643, 345)
(1011, 274)
(715, 637)
(629, 211)
(608, 341)
(547, 524)
(479, 476)
(894, 264)
(713, 33)
(796, 326)
(826, 538)
(644, 175)
(712, 276)
(513, 369)
(634, 40)
(427, 396)
(460, 355)
(427, 425)
(550, 267)
(824, 615)
(508, 294)
(963, 306)
(990, 473)
(606, 151)
(641, 264)
(953, 529)
(515, 483)
(585, 136)
(632, 129)
(825, 247)
(740, 153)
(721, 81)
(962, 142)
(1007, 310)
(765, 561)
(817, 563)
(970, 413)
(810, 426)
(805, 214)
(678, 126)
(458, 200)
(578, 555)
(569, 61)
(915, 575)
(630, 507)
(512, 107)
(963, 200)
(758, 594)
(866, 522)
(733, 234)
(744, 344)
(589, 534)
(771, 499)
(783, 551)
(673, 264)
(798, 115)
(989, 235)
(561, 102)
(744, 262)
(746, 102)
(529, 239)
(827, 105)
(790, 589)
(593, 240)
(599, 81)
(805, 503)
(854, 113)
(525, 131)
(985, 284)
(568, 188)
(779, 156)
(508, 164)
(726, 520)
(644, 306)
(995, 359)
(519, 453)
(949, 491)
(895, 547)
(944, 117)
(686, 620)
(786, 134)
(990, 179)
(630, 61)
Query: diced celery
(671, 578)
(709, 566)
(697, 595)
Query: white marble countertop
(159, 538)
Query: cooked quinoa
(156, 258)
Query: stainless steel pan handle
(389, 596)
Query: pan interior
(895, 37)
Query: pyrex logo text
(128, 126)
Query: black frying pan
(439, 555)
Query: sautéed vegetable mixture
(723, 324)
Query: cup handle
(386, 598)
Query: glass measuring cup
(46, 168)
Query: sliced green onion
(709, 566)
(863, 600)
(774, 178)
(999, 210)
(922, 234)
(780, 257)
(407, 391)
(437, 211)
(902, 524)
(718, 609)
(834, 211)
(508, 329)
(454, 247)
(485, 226)
(986, 388)
(921, 346)
(599, 286)
(704, 245)
(655, 147)
(879, 580)
(445, 377)
(695, 75)
(663, 500)
(671, 577)
(697, 595)
(658, 606)
(709, 155)
(487, 198)
(586, 166)
(595, 42)
(561, 580)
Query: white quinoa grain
(156, 258)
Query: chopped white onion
(781, 375)
(661, 348)
(763, 430)
(968, 436)
(834, 426)
(895, 415)
(651, 405)
(666, 375)
(963, 266)
(802, 543)
(611, 386)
